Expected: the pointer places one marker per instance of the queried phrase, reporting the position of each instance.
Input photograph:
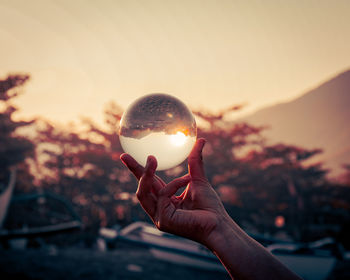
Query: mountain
(320, 118)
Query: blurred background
(268, 82)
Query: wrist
(226, 229)
(242, 256)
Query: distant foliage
(266, 188)
(261, 183)
(13, 148)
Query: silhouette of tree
(84, 166)
(257, 182)
(281, 175)
(345, 177)
(13, 148)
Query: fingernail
(148, 162)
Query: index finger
(133, 166)
(195, 160)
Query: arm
(242, 256)
(199, 214)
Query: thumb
(195, 160)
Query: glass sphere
(159, 125)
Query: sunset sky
(82, 54)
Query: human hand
(195, 214)
(198, 214)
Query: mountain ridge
(320, 118)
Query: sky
(211, 54)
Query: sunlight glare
(178, 139)
(169, 150)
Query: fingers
(151, 166)
(144, 191)
(132, 164)
(195, 160)
(171, 188)
(183, 194)
(147, 179)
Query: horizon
(237, 114)
(81, 57)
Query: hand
(195, 214)
(198, 214)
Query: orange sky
(83, 53)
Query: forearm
(243, 257)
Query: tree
(83, 165)
(280, 174)
(260, 182)
(13, 148)
(345, 176)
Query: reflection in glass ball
(159, 125)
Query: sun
(178, 139)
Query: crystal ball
(160, 125)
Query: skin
(199, 214)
